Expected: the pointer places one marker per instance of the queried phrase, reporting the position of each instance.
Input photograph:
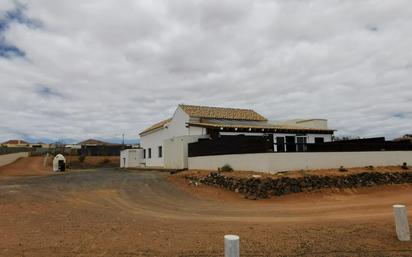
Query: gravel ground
(111, 212)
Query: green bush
(225, 168)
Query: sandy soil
(111, 212)
(30, 166)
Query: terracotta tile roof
(156, 126)
(15, 142)
(221, 113)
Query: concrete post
(231, 246)
(401, 222)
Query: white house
(165, 143)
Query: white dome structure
(59, 163)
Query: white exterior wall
(176, 128)
(10, 158)
(153, 140)
(196, 131)
(326, 137)
(275, 162)
(130, 158)
(176, 151)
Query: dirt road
(110, 212)
(29, 166)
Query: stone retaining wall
(259, 188)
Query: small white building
(130, 158)
(165, 143)
(59, 163)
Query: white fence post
(401, 222)
(231, 246)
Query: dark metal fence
(9, 150)
(254, 144)
(231, 145)
(103, 150)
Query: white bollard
(401, 222)
(231, 246)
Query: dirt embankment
(28, 166)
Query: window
(319, 140)
(160, 152)
(150, 153)
(280, 144)
(144, 153)
(301, 144)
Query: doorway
(290, 144)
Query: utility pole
(123, 140)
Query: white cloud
(117, 67)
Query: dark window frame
(149, 153)
(160, 151)
(280, 144)
(319, 140)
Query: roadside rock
(260, 188)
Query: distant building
(40, 145)
(16, 143)
(93, 142)
(94, 147)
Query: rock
(258, 188)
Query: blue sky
(76, 71)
